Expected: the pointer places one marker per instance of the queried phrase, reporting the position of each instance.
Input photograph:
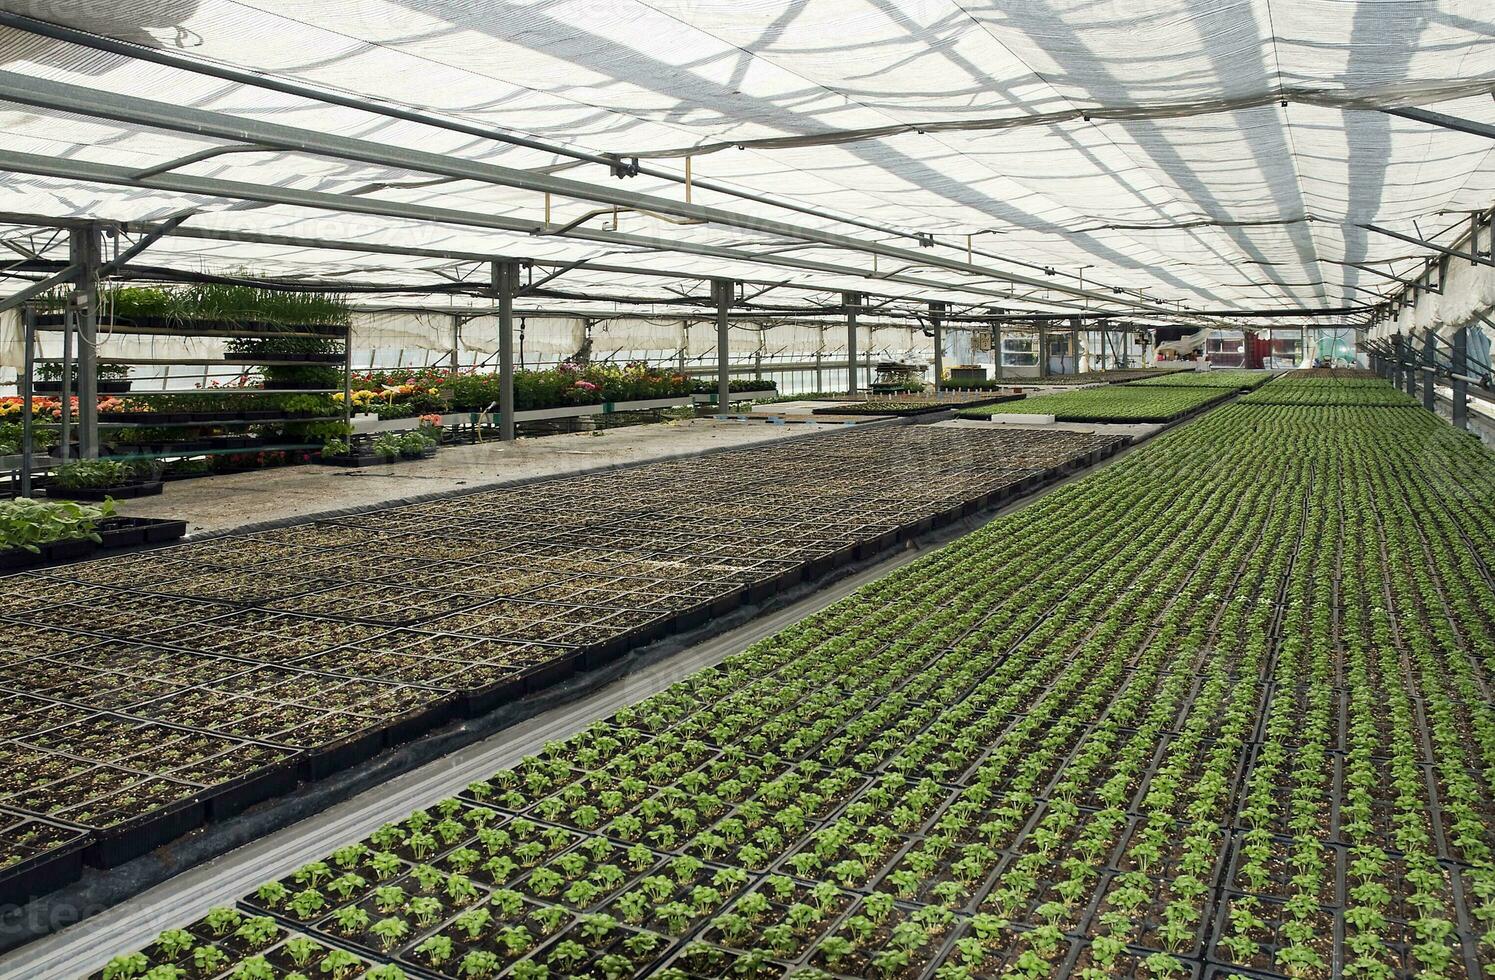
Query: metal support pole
(84, 249)
(819, 380)
(996, 347)
(65, 433)
(505, 285)
(348, 379)
(851, 301)
(1428, 363)
(722, 289)
(936, 320)
(1409, 368)
(1074, 350)
(28, 319)
(1043, 351)
(1460, 368)
(456, 341)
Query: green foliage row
(27, 524)
(1114, 403)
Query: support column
(65, 422)
(84, 249)
(505, 285)
(23, 385)
(1043, 351)
(348, 381)
(1074, 350)
(1396, 361)
(1409, 366)
(456, 342)
(852, 301)
(1460, 386)
(1429, 341)
(996, 347)
(937, 320)
(721, 291)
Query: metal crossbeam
(239, 190)
(1444, 121)
(1434, 246)
(52, 95)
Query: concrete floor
(221, 503)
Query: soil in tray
(680, 895)
(494, 935)
(1154, 914)
(597, 949)
(1129, 963)
(402, 910)
(879, 938)
(1275, 867)
(588, 875)
(1257, 934)
(781, 915)
(703, 961)
(989, 948)
(352, 873)
(197, 958)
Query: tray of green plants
(914, 405)
(1331, 389)
(98, 479)
(1233, 380)
(378, 450)
(42, 532)
(1116, 376)
(1113, 403)
(213, 306)
(1246, 738)
(37, 855)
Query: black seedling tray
(49, 868)
(128, 491)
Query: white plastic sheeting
(1190, 180)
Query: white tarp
(1222, 153)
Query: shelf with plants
(1115, 403)
(1253, 737)
(295, 345)
(313, 639)
(111, 378)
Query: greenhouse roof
(1155, 159)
